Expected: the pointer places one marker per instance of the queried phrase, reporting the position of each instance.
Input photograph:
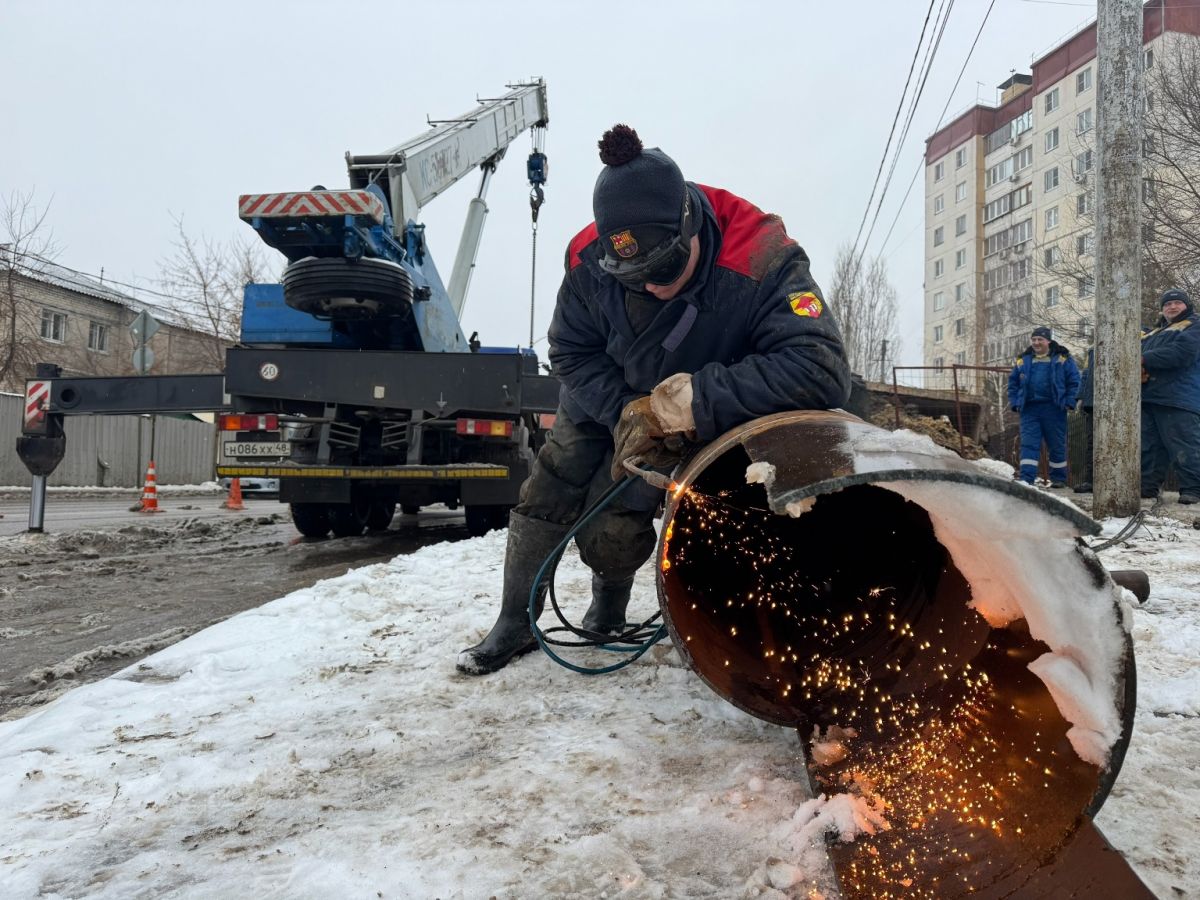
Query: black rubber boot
(1084, 487)
(606, 615)
(530, 541)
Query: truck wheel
(484, 518)
(410, 509)
(348, 519)
(344, 288)
(311, 519)
(379, 515)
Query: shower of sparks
(922, 721)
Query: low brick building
(49, 313)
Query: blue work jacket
(1064, 378)
(1171, 357)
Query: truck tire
(379, 515)
(343, 288)
(348, 519)
(311, 519)
(410, 509)
(484, 518)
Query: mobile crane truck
(353, 382)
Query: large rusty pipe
(952, 654)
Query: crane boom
(416, 171)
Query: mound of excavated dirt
(943, 433)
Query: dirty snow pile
(323, 746)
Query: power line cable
(896, 118)
(931, 55)
(957, 81)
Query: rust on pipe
(871, 593)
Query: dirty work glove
(657, 428)
(640, 434)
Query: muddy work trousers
(572, 471)
(1170, 436)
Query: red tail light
(486, 427)
(249, 422)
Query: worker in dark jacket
(1087, 393)
(684, 312)
(1042, 386)
(1171, 398)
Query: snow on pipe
(958, 663)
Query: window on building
(1083, 80)
(1022, 196)
(960, 258)
(1083, 203)
(996, 242)
(999, 172)
(1052, 218)
(937, 334)
(1022, 123)
(98, 337)
(1022, 231)
(1149, 191)
(1148, 59)
(960, 192)
(1051, 256)
(997, 277)
(960, 158)
(1083, 121)
(54, 326)
(939, 171)
(960, 327)
(939, 301)
(1149, 101)
(939, 236)
(1052, 296)
(1086, 286)
(960, 358)
(1052, 101)
(997, 208)
(1084, 244)
(1085, 329)
(1023, 306)
(1084, 162)
(938, 268)
(939, 363)
(1052, 139)
(939, 203)
(960, 292)
(1022, 268)
(960, 225)
(1023, 160)
(1050, 180)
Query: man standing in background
(1043, 385)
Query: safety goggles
(661, 266)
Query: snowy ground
(323, 746)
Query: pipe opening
(851, 622)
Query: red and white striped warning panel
(311, 203)
(37, 399)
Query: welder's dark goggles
(662, 265)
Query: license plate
(243, 449)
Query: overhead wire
(896, 118)
(927, 66)
(949, 98)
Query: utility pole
(1117, 468)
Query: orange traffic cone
(150, 491)
(234, 500)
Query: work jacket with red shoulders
(751, 327)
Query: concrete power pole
(1117, 475)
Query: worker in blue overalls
(1043, 385)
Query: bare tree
(206, 278)
(28, 243)
(865, 302)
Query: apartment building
(1010, 202)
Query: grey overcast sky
(122, 114)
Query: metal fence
(104, 450)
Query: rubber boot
(606, 615)
(530, 541)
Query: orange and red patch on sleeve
(806, 304)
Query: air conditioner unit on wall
(1019, 248)
(1014, 177)
(1080, 177)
